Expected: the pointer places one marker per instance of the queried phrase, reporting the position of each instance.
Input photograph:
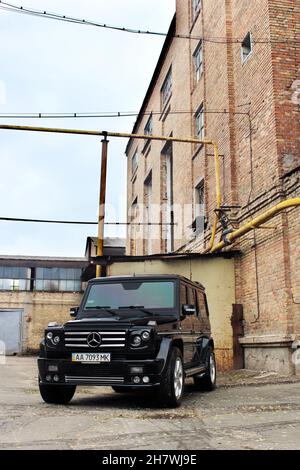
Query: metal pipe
(58, 130)
(102, 202)
(141, 136)
(218, 198)
(262, 218)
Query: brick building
(35, 290)
(235, 81)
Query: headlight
(136, 340)
(52, 339)
(145, 335)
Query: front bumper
(114, 373)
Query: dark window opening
(246, 47)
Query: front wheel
(207, 381)
(172, 384)
(57, 394)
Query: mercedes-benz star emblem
(94, 340)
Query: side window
(196, 302)
(191, 296)
(202, 304)
(183, 299)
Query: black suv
(131, 333)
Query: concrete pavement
(243, 417)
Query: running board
(194, 371)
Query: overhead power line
(69, 19)
(78, 222)
(106, 114)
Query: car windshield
(131, 295)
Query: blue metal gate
(10, 330)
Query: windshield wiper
(137, 307)
(99, 307)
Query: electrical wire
(9, 7)
(78, 222)
(108, 114)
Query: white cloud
(2, 93)
(69, 68)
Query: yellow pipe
(218, 198)
(255, 223)
(59, 130)
(141, 136)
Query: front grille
(76, 380)
(109, 339)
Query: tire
(57, 394)
(172, 383)
(207, 382)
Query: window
(166, 90)
(198, 62)
(196, 7)
(14, 278)
(149, 126)
(246, 49)
(149, 294)
(58, 279)
(134, 161)
(183, 297)
(202, 302)
(200, 222)
(200, 123)
(200, 195)
(191, 296)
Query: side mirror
(188, 310)
(74, 311)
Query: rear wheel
(172, 384)
(57, 394)
(207, 381)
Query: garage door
(10, 330)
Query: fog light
(136, 370)
(56, 340)
(136, 379)
(49, 335)
(56, 378)
(146, 379)
(145, 335)
(52, 368)
(136, 340)
(48, 378)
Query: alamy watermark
(2, 353)
(296, 353)
(296, 92)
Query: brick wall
(39, 309)
(252, 111)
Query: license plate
(91, 357)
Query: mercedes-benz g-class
(131, 333)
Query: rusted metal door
(237, 322)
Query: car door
(186, 325)
(201, 326)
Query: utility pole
(102, 202)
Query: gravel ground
(247, 411)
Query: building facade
(33, 292)
(37, 290)
(229, 72)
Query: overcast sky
(55, 67)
